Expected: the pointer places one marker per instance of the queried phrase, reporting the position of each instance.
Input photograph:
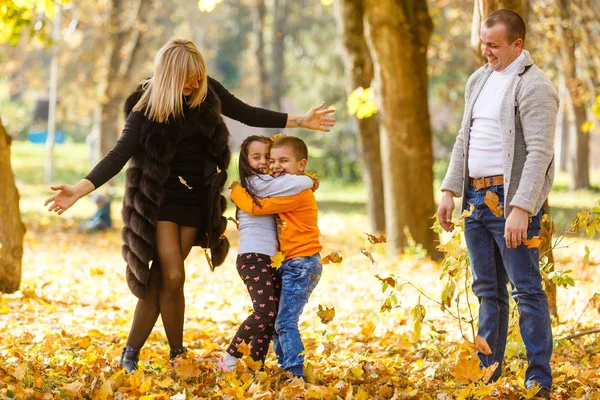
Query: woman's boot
(175, 352)
(130, 358)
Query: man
(505, 146)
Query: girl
(177, 145)
(258, 243)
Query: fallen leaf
(145, 387)
(184, 183)
(253, 365)
(218, 170)
(326, 314)
(492, 201)
(244, 349)
(334, 258)
(185, 368)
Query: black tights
(164, 294)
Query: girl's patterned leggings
(264, 288)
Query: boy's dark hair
(296, 144)
(244, 168)
(515, 26)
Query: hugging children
(275, 212)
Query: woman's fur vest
(148, 171)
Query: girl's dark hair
(245, 169)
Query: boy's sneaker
(226, 363)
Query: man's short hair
(515, 26)
(296, 144)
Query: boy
(298, 231)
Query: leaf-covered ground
(62, 334)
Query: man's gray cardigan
(527, 125)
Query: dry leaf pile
(62, 334)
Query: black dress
(183, 201)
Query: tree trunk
(359, 73)
(126, 49)
(259, 14)
(580, 146)
(12, 229)
(563, 127)
(280, 11)
(398, 35)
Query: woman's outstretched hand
(315, 119)
(67, 195)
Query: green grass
(72, 164)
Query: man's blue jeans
(493, 266)
(299, 277)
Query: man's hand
(515, 229)
(445, 211)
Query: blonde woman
(177, 146)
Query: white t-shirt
(485, 142)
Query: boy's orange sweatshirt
(297, 225)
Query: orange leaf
(334, 258)
(233, 184)
(253, 365)
(326, 314)
(277, 260)
(185, 368)
(235, 221)
(534, 242)
(278, 136)
(368, 254)
(491, 199)
(244, 349)
(467, 213)
(374, 239)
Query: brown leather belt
(488, 181)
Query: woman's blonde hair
(177, 62)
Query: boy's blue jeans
(299, 277)
(493, 266)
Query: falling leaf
(387, 281)
(334, 258)
(368, 254)
(534, 242)
(234, 184)
(235, 221)
(492, 201)
(467, 213)
(183, 182)
(376, 239)
(482, 346)
(277, 260)
(312, 176)
(326, 314)
(243, 348)
(209, 260)
(277, 136)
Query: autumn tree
(580, 142)
(14, 18)
(359, 74)
(397, 34)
